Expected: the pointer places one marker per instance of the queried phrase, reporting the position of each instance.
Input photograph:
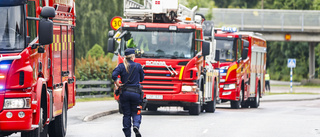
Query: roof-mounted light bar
(229, 29)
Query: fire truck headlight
(229, 86)
(189, 88)
(17, 103)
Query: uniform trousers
(129, 102)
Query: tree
(92, 24)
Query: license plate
(154, 96)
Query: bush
(96, 51)
(93, 68)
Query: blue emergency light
(4, 66)
(229, 29)
(1, 87)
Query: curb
(98, 115)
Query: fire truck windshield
(160, 44)
(227, 50)
(12, 33)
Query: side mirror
(111, 33)
(48, 12)
(111, 45)
(217, 57)
(205, 48)
(45, 32)
(245, 43)
(244, 53)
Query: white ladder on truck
(134, 10)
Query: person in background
(131, 74)
(267, 79)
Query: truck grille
(156, 68)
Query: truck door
(71, 64)
(64, 54)
(56, 53)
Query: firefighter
(130, 41)
(131, 74)
(267, 79)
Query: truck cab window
(160, 44)
(12, 30)
(227, 50)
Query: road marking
(205, 131)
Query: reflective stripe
(267, 77)
(181, 72)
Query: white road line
(205, 131)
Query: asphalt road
(271, 119)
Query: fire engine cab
(176, 59)
(243, 66)
(37, 82)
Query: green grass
(94, 99)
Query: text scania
(156, 63)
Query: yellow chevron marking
(231, 69)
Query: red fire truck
(175, 58)
(243, 66)
(37, 82)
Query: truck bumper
(15, 123)
(228, 95)
(180, 99)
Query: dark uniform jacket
(136, 77)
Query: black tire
(244, 103)
(37, 132)
(185, 108)
(152, 108)
(44, 132)
(58, 127)
(33, 133)
(195, 109)
(211, 106)
(236, 104)
(256, 101)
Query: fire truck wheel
(244, 103)
(236, 104)
(256, 102)
(211, 106)
(58, 127)
(36, 132)
(195, 109)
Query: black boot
(136, 130)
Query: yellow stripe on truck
(181, 73)
(233, 67)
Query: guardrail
(266, 19)
(86, 89)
